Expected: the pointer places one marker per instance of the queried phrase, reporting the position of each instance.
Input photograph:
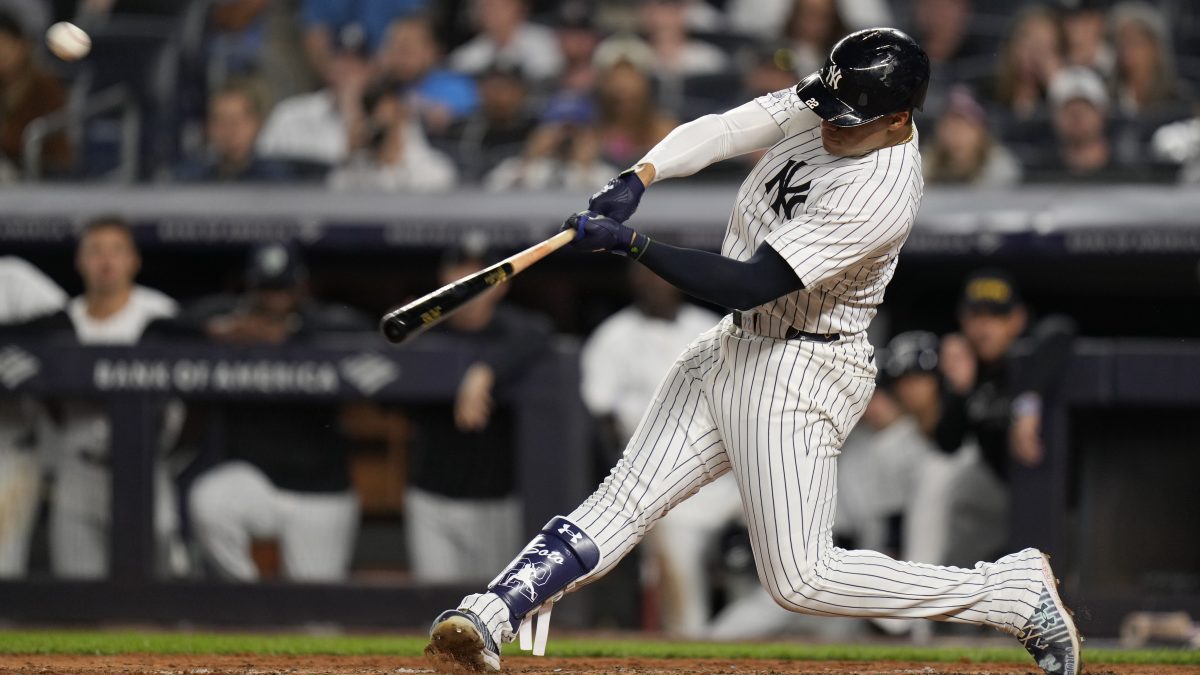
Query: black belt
(793, 333)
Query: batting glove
(619, 198)
(594, 232)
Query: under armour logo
(788, 197)
(833, 77)
(575, 536)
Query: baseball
(68, 41)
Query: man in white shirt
(25, 294)
(113, 310)
(506, 37)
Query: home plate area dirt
(380, 665)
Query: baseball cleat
(1050, 635)
(460, 640)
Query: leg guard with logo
(557, 556)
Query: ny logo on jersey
(833, 77)
(787, 197)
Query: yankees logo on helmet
(833, 77)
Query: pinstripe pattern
(845, 240)
(775, 412)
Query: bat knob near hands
(595, 232)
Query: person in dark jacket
(463, 514)
(285, 476)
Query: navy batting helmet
(869, 74)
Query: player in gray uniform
(770, 393)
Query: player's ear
(899, 120)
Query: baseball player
(770, 392)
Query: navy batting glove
(619, 198)
(594, 232)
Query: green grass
(127, 642)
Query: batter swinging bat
(401, 325)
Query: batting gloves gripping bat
(594, 232)
(619, 198)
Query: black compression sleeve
(720, 280)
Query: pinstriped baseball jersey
(839, 222)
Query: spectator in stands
(285, 476)
(617, 384)
(320, 128)
(234, 119)
(113, 310)
(462, 512)
(333, 25)
(499, 129)
(1031, 58)
(562, 153)
(410, 57)
(395, 156)
(238, 33)
(664, 24)
(943, 27)
(507, 37)
(812, 29)
(1085, 30)
(1146, 81)
(25, 294)
(26, 93)
(1079, 103)
(963, 150)
(630, 121)
(1178, 144)
(578, 38)
(33, 15)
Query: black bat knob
(395, 329)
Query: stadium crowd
(412, 95)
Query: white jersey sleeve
(789, 112)
(847, 221)
(712, 138)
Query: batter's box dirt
(380, 665)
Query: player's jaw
(863, 138)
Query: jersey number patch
(787, 197)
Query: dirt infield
(379, 665)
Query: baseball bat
(403, 324)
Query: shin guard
(557, 556)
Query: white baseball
(68, 41)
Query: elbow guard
(560, 554)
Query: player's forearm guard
(557, 556)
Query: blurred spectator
(617, 386)
(320, 128)
(234, 120)
(395, 155)
(562, 153)
(113, 310)
(1031, 58)
(1084, 150)
(462, 512)
(25, 294)
(1145, 73)
(762, 19)
(362, 25)
(238, 33)
(26, 93)
(943, 27)
(1178, 143)
(87, 12)
(507, 37)
(285, 477)
(577, 40)
(813, 27)
(963, 150)
(499, 128)
(664, 23)
(630, 121)
(410, 57)
(1085, 28)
